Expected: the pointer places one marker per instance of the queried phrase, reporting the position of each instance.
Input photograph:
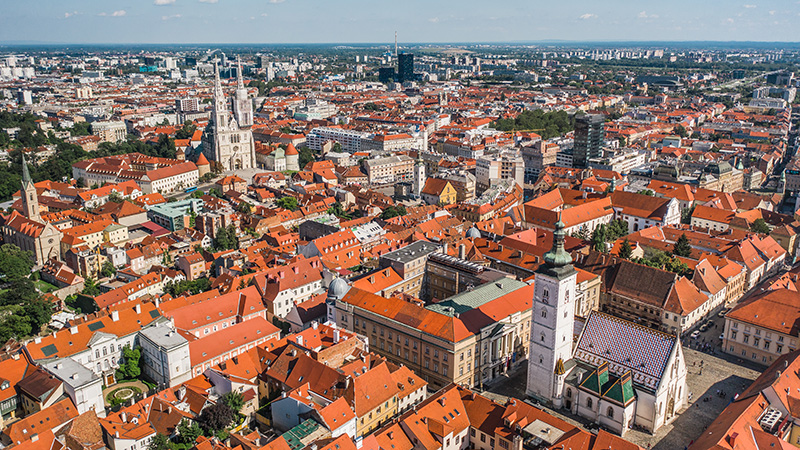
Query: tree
(393, 211)
(225, 238)
(288, 202)
(38, 312)
(188, 432)
(582, 233)
(108, 269)
(686, 215)
(159, 442)
(14, 263)
(599, 239)
(625, 249)
(338, 210)
(244, 208)
(681, 131)
(234, 400)
(760, 226)
(90, 287)
(682, 247)
(115, 197)
(131, 367)
(216, 417)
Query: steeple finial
(557, 256)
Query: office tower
(405, 67)
(386, 74)
(589, 135)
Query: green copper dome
(557, 256)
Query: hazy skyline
(358, 21)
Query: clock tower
(552, 321)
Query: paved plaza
(719, 372)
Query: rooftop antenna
(395, 44)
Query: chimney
(444, 248)
(114, 316)
(295, 269)
(37, 340)
(299, 340)
(124, 416)
(462, 251)
(73, 330)
(335, 336)
(138, 308)
(282, 273)
(314, 324)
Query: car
(722, 313)
(721, 337)
(704, 327)
(695, 334)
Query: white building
(82, 385)
(110, 131)
(166, 355)
(349, 139)
(224, 141)
(490, 170)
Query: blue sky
(319, 21)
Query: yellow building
(439, 192)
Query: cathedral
(618, 373)
(228, 139)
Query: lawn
(45, 287)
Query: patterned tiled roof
(626, 346)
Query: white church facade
(228, 138)
(619, 374)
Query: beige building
(389, 170)
(469, 339)
(763, 328)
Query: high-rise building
(386, 74)
(405, 67)
(589, 135)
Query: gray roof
(71, 372)
(469, 300)
(411, 252)
(163, 336)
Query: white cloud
(209, 1)
(67, 15)
(277, 1)
(433, 20)
(588, 16)
(264, 14)
(749, 6)
(644, 15)
(729, 20)
(772, 13)
(174, 16)
(163, 2)
(118, 13)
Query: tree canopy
(288, 202)
(760, 226)
(682, 247)
(546, 124)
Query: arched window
(541, 337)
(541, 359)
(569, 393)
(589, 402)
(544, 313)
(610, 412)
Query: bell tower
(552, 321)
(30, 201)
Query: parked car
(695, 334)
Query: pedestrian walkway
(134, 383)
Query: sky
(374, 21)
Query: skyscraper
(405, 67)
(589, 135)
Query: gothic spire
(217, 84)
(239, 81)
(26, 175)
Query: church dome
(557, 256)
(337, 289)
(473, 233)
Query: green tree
(288, 202)
(686, 215)
(582, 233)
(14, 263)
(38, 312)
(108, 269)
(159, 442)
(244, 208)
(131, 367)
(234, 400)
(625, 249)
(760, 226)
(216, 417)
(188, 432)
(393, 211)
(682, 246)
(115, 197)
(90, 287)
(681, 131)
(599, 239)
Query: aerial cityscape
(307, 225)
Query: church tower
(30, 201)
(242, 106)
(552, 321)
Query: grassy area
(44, 286)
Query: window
(733, 335)
(544, 313)
(569, 393)
(610, 412)
(766, 345)
(589, 403)
(483, 437)
(779, 348)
